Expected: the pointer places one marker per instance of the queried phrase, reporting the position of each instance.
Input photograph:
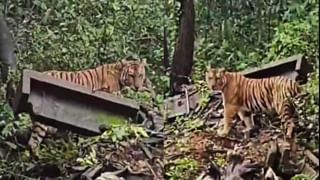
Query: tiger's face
(214, 78)
(136, 74)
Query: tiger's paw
(247, 133)
(222, 132)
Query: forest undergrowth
(73, 35)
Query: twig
(14, 174)
(105, 175)
(312, 157)
(168, 144)
(146, 151)
(134, 172)
(206, 115)
(92, 171)
(152, 171)
(220, 151)
(160, 162)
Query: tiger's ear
(123, 61)
(209, 67)
(144, 61)
(220, 72)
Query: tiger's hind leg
(229, 113)
(290, 127)
(39, 132)
(286, 113)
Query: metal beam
(67, 105)
(294, 67)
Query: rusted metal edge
(295, 58)
(38, 76)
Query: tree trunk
(183, 55)
(7, 57)
(166, 63)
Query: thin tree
(7, 57)
(183, 55)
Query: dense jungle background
(80, 34)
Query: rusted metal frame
(184, 102)
(28, 74)
(295, 67)
(37, 91)
(296, 59)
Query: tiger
(243, 96)
(108, 78)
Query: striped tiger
(242, 96)
(108, 77)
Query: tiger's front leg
(229, 113)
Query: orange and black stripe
(267, 93)
(258, 95)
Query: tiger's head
(215, 78)
(133, 73)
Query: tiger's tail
(39, 132)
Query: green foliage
(59, 152)
(244, 34)
(310, 110)
(313, 89)
(8, 124)
(220, 160)
(119, 133)
(73, 35)
(140, 97)
(116, 133)
(90, 159)
(204, 93)
(10, 170)
(182, 169)
(110, 119)
(6, 121)
(298, 36)
(301, 177)
(236, 34)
